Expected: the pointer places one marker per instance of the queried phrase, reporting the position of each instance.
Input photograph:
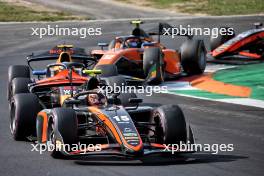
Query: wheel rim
(51, 133)
(13, 121)
(10, 91)
(159, 129)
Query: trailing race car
(248, 45)
(140, 58)
(60, 54)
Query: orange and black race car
(247, 46)
(139, 57)
(89, 123)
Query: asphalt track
(212, 122)
(104, 9)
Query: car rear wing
(47, 57)
(166, 29)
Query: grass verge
(11, 12)
(211, 7)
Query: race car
(59, 54)
(247, 46)
(83, 126)
(65, 53)
(139, 58)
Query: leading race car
(139, 57)
(110, 127)
(248, 45)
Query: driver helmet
(64, 57)
(133, 43)
(96, 99)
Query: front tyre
(170, 125)
(62, 129)
(23, 112)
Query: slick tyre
(115, 81)
(16, 71)
(23, 112)
(193, 57)
(63, 127)
(107, 70)
(20, 85)
(170, 125)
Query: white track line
(237, 101)
(129, 19)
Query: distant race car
(139, 58)
(248, 45)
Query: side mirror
(102, 45)
(135, 100)
(39, 72)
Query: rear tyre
(115, 81)
(23, 112)
(119, 82)
(114, 84)
(193, 57)
(62, 126)
(107, 70)
(15, 71)
(220, 39)
(153, 65)
(20, 85)
(170, 125)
